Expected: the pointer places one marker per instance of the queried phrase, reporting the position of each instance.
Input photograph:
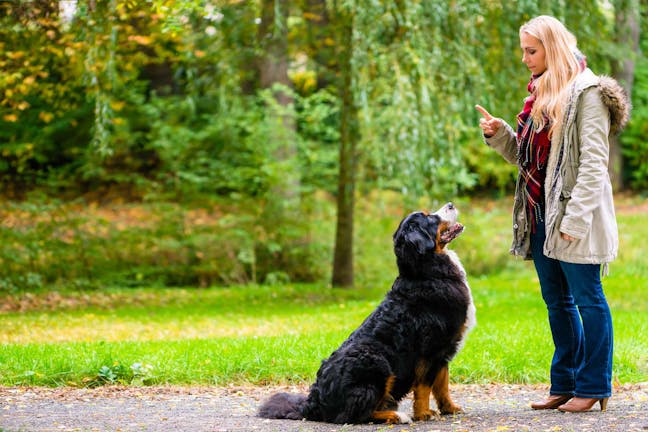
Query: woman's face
(533, 53)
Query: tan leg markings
(441, 393)
(384, 412)
(386, 416)
(422, 409)
(387, 399)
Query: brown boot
(583, 404)
(552, 402)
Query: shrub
(161, 244)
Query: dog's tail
(283, 406)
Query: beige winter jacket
(578, 192)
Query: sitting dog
(405, 344)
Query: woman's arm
(504, 142)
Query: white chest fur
(471, 318)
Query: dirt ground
(220, 409)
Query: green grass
(280, 333)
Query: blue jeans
(580, 321)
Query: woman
(563, 215)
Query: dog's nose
(450, 206)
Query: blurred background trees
(273, 102)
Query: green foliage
(635, 147)
(407, 54)
(39, 92)
(493, 175)
(318, 127)
(154, 244)
(145, 101)
(137, 374)
(161, 98)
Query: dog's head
(421, 233)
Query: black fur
(283, 405)
(411, 336)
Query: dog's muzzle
(448, 214)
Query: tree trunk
(319, 43)
(273, 69)
(281, 207)
(623, 68)
(273, 40)
(343, 257)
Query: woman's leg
(594, 375)
(564, 320)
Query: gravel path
(216, 409)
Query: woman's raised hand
(488, 124)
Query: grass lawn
(280, 333)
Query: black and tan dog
(404, 345)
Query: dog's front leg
(441, 391)
(422, 409)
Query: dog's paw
(391, 417)
(451, 409)
(425, 415)
(403, 417)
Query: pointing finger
(483, 112)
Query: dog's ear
(420, 240)
(413, 241)
(411, 238)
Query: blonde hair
(562, 67)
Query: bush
(635, 146)
(162, 244)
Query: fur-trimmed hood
(612, 95)
(615, 98)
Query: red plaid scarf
(533, 154)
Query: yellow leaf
(22, 106)
(29, 80)
(312, 17)
(199, 53)
(142, 40)
(15, 55)
(11, 118)
(117, 105)
(45, 116)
